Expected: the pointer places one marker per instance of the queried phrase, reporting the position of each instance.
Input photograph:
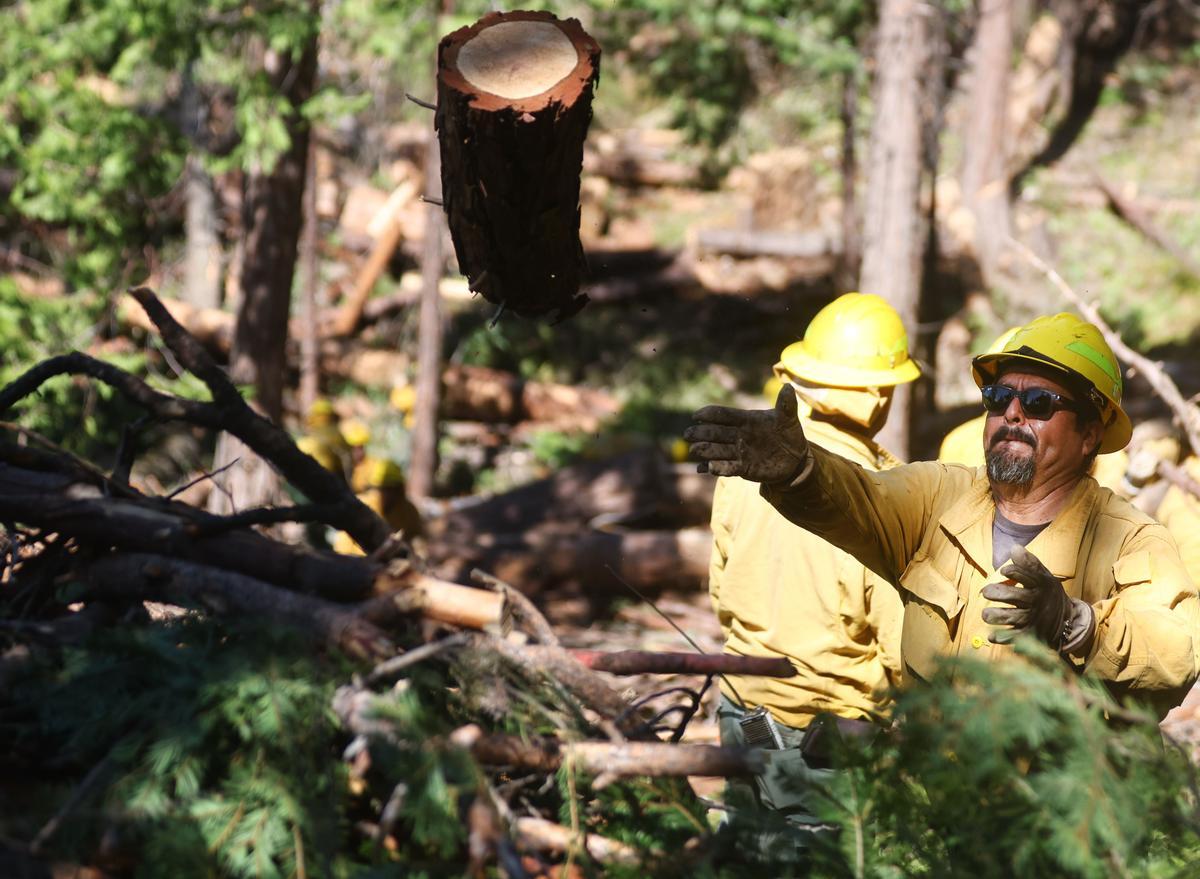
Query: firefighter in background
(778, 590)
(379, 483)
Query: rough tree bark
(514, 104)
(851, 258)
(429, 339)
(271, 215)
(985, 188)
(202, 244)
(892, 224)
(310, 366)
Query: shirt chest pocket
(931, 610)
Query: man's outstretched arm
(879, 518)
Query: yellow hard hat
(403, 398)
(1076, 348)
(856, 341)
(355, 432)
(320, 413)
(1002, 340)
(376, 473)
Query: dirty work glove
(1039, 603)
(762, 445)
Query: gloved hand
(1039, 604)
(762, 445)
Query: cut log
(514, 105)
(386, 242)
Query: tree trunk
(514, 104)
(429, 339)
(202, 244)
(892, 223)
(851, 258)
(310, 361)
(271, 215)
(985, 189)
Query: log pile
(144, 560)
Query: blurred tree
(985, 188)
(893, 237)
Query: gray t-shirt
(1007, 534)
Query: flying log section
(514, 104)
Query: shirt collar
(969, 524)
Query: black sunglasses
(1037, 403)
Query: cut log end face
(517, 59)
(514, 105)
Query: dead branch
(261, 435)
(636, 662)
(1136, 216)
(589, 687)
(524, 610)
(141, 576)
(657, 759)
(73, 504)
(1178, 477)
(540, 835)
(1163, 385)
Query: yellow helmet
(1076, 348)
(320, 413)
(355, 432)
(403, 398)
(856, 341)
(376, 473)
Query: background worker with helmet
(778, 590)
(1029, 545)
(964, 444)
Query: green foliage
(1013, 769)
(81, 415)
(710, 59)
(218, 746)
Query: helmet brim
(796, 360)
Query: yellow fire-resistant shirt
(927, 528)
(1180, 513)
(778, 590)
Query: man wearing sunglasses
(1027, 543)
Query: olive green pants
(775, 812)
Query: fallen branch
(1163, 385)
(636, 662)
(260, 434)
(540, 835)
(589, 687)
(141, 576)
(610, 759)
(1135, 215)
(523, 609)
(1178, 477)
